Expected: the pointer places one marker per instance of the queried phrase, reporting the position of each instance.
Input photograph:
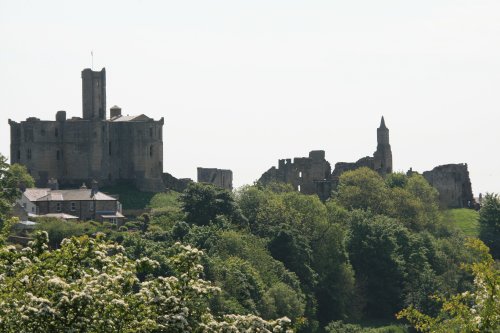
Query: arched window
(151, 151)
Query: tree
(89, 285)
(375, 253)
(203, 202)
(489, 222)
(12, 177)
(471, 311)
(364, 189)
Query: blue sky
(244, 83)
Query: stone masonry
(453, 184)
(313, 174)
(218, 177)
(78, 150)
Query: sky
(242, 84)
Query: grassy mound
(464, 219)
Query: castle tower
(94, 94)
(383, 155)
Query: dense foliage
(489, 222)
(377, 247)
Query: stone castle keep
(80, 149)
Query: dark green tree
(202, 203)
(489, 222)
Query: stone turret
(383, 155)
(94, 94)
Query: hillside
(464, 219)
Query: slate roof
(46, 194)
(121, 118)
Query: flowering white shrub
(89, 285)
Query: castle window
(151, 131)
(58, 206)
(56, 132)
(109, 148)
(28, 153)
(300, 174)
(58, 155)
(298, 188)
(73, 206)
(159, 135)
(42, 132)
(18, 155)
(151, 151)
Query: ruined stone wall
(453, 184)
(175, 184)
(308, 175)
(218, 177)
(342, 167)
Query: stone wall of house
(83, 209)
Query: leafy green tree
(363, 189)
(88, 285)
(374, 251)
(203, 202)
(12, 177)
(489, 221)
(471, 311)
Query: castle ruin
(313, 174)
(453, 184)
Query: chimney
(115, 111)
(53, 184)
(95, 188)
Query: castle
(313, 174)
(91, 147)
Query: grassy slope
(464, 219)
(129, 196)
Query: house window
(91, 206)
(73, 206)
(58, 206)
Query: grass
(464, 219)
(129, 196)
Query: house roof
(121, 118)
(36, 194)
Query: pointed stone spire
(382, 123)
